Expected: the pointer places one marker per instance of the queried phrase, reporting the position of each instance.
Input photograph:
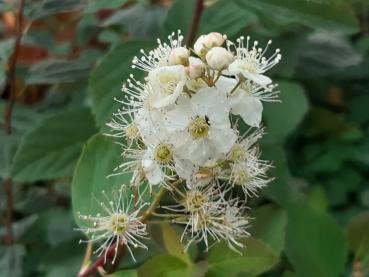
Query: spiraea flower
(204, 125)
(250, 62)
(160, 56)
(179, 132)
(118, 224)
(246, 168)
(198, 208)
(246, 97)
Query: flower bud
(196, 68)
(199, 46)
(179, 55)
(214, 39)
(205, 42)
(218, 58)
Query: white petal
(249, 108)
(200, 151)
(163, 76)
(225, 84)
(222, 139)
(257, 78)
(184, 168)
(152, 169)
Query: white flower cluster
(180, 130)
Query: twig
(194, 26)
(12, 67)
(98, 263)
(8, 183)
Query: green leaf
(317, 199)
(358, 238)
(269, 224)
(315, 244)
(125, 273)
(51, 149)
(94, 6)
(22, 120)
(179, 17)
(173, 244)
(98, 159)
(58, 71)
(282, 118)
(11, 260)
(44, 8)
(325, 54)
(54, 227)
(20, 227)
(63, 260)
(147, 20)
(226, 17)
(107, 78)
(257, 257)
(164, 266)
(326, 15)
(8, 147)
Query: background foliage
(313, 220)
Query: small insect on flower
(117, 225)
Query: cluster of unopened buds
(181, 131)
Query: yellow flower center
(119, 223)
(195, 200)
(132, 131)
(163, 153)
(241, 176)
(237, 153)
(199, 127)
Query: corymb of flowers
(189, 131)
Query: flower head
(117, 224)
(179, 125)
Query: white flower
(205, 42)
(251, 173)
(204, 123)
(245, 98)
(234, 222)
(118, 224)
(197, 208)
(162, 161)
(124, 125)
(218, 58)
(167, 83)
(159, 56)
(251, 63)
(196, 68)
(179, 55)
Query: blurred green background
(313, 220)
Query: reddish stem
(98, 263)
(194, 26)
(8, 183)
(12, 67)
